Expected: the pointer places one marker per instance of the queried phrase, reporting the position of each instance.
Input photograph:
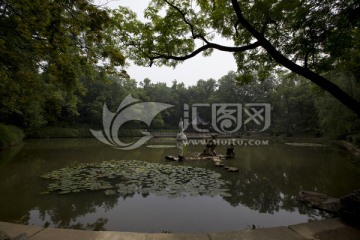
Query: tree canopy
(45, 47)
(307, 37)
(59, 59)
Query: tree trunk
(319, 80)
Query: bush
(318, 134)
(10, 135)
(58, 132)
(65, 132)
(356, 140)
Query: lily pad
(129, 177)
(109, 192)
(225, 194)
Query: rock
(210, 147)
(320, 201)
(230, 152)
(350, 207)
(171, 158)
(22, 236)
(347, 207)
(4, 236)
(219, 164)
(216, 159)
(232, 169)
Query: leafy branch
(319, 80)
(202, 49)
(208, 45)
(183, 15)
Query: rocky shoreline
(346, 207)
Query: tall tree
(293, 104)
(334, 118)
(45, 47)
(307, 37)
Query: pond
(262, 194)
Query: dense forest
(62, 60)
(297, 106)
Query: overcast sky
(190, 71)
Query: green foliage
(317, 34)
(45, 48)
(113, 177)
(307, 37)
(58, 59)
(335, 119)
(9, 135)
(355, 139)
(103, 89)
(293, 104)
(58, 132)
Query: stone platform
(329, 229)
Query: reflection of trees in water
(266, 195)
(254, 191)
(267, 185)
(65, 209)
(98, 225)
(22, 185)
(268, 181)
(266, 189)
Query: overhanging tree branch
(208, 45)
(202, 49)
(183, 15)
(319, 80)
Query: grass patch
(10, 135)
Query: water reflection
(263, 192)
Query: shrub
(10, 135)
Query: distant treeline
(296, 104)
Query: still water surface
(263, 192)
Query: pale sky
(190, 71)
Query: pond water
(263, 192)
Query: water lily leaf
(225, 194)
(109, 192)
(130, 177)
(194, 194)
